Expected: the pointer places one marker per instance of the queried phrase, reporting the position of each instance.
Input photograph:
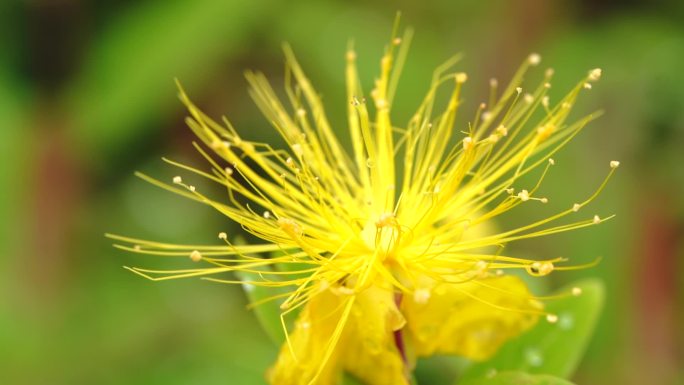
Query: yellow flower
(387, 251)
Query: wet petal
(371, 353)
(470, 319)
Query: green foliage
(127, 80)
(517, 378)
(267, 310)
(551, 348)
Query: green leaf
(266, 311)
(127, 80)
(551, 348)
(517, 378)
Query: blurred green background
(87, 97)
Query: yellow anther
(545, 131)
(540, 268)
(195, 256)
(534, 59)
(595, 74)
(502, 130)
(468, 143)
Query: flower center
(382, 234)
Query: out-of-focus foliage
(517, 378)
(551, 348)
(87, 96)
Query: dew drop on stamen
(566, 321)
(533, 357)
(421, 296)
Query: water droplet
(566, 321)
(533, 357)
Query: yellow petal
(370, 353)
(366, 347)
(309, 341)
(470, 319)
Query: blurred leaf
(127, 80)
(551, 348)
(15, 160)
(517, 378)
(268, 313)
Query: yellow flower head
(386, 252)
